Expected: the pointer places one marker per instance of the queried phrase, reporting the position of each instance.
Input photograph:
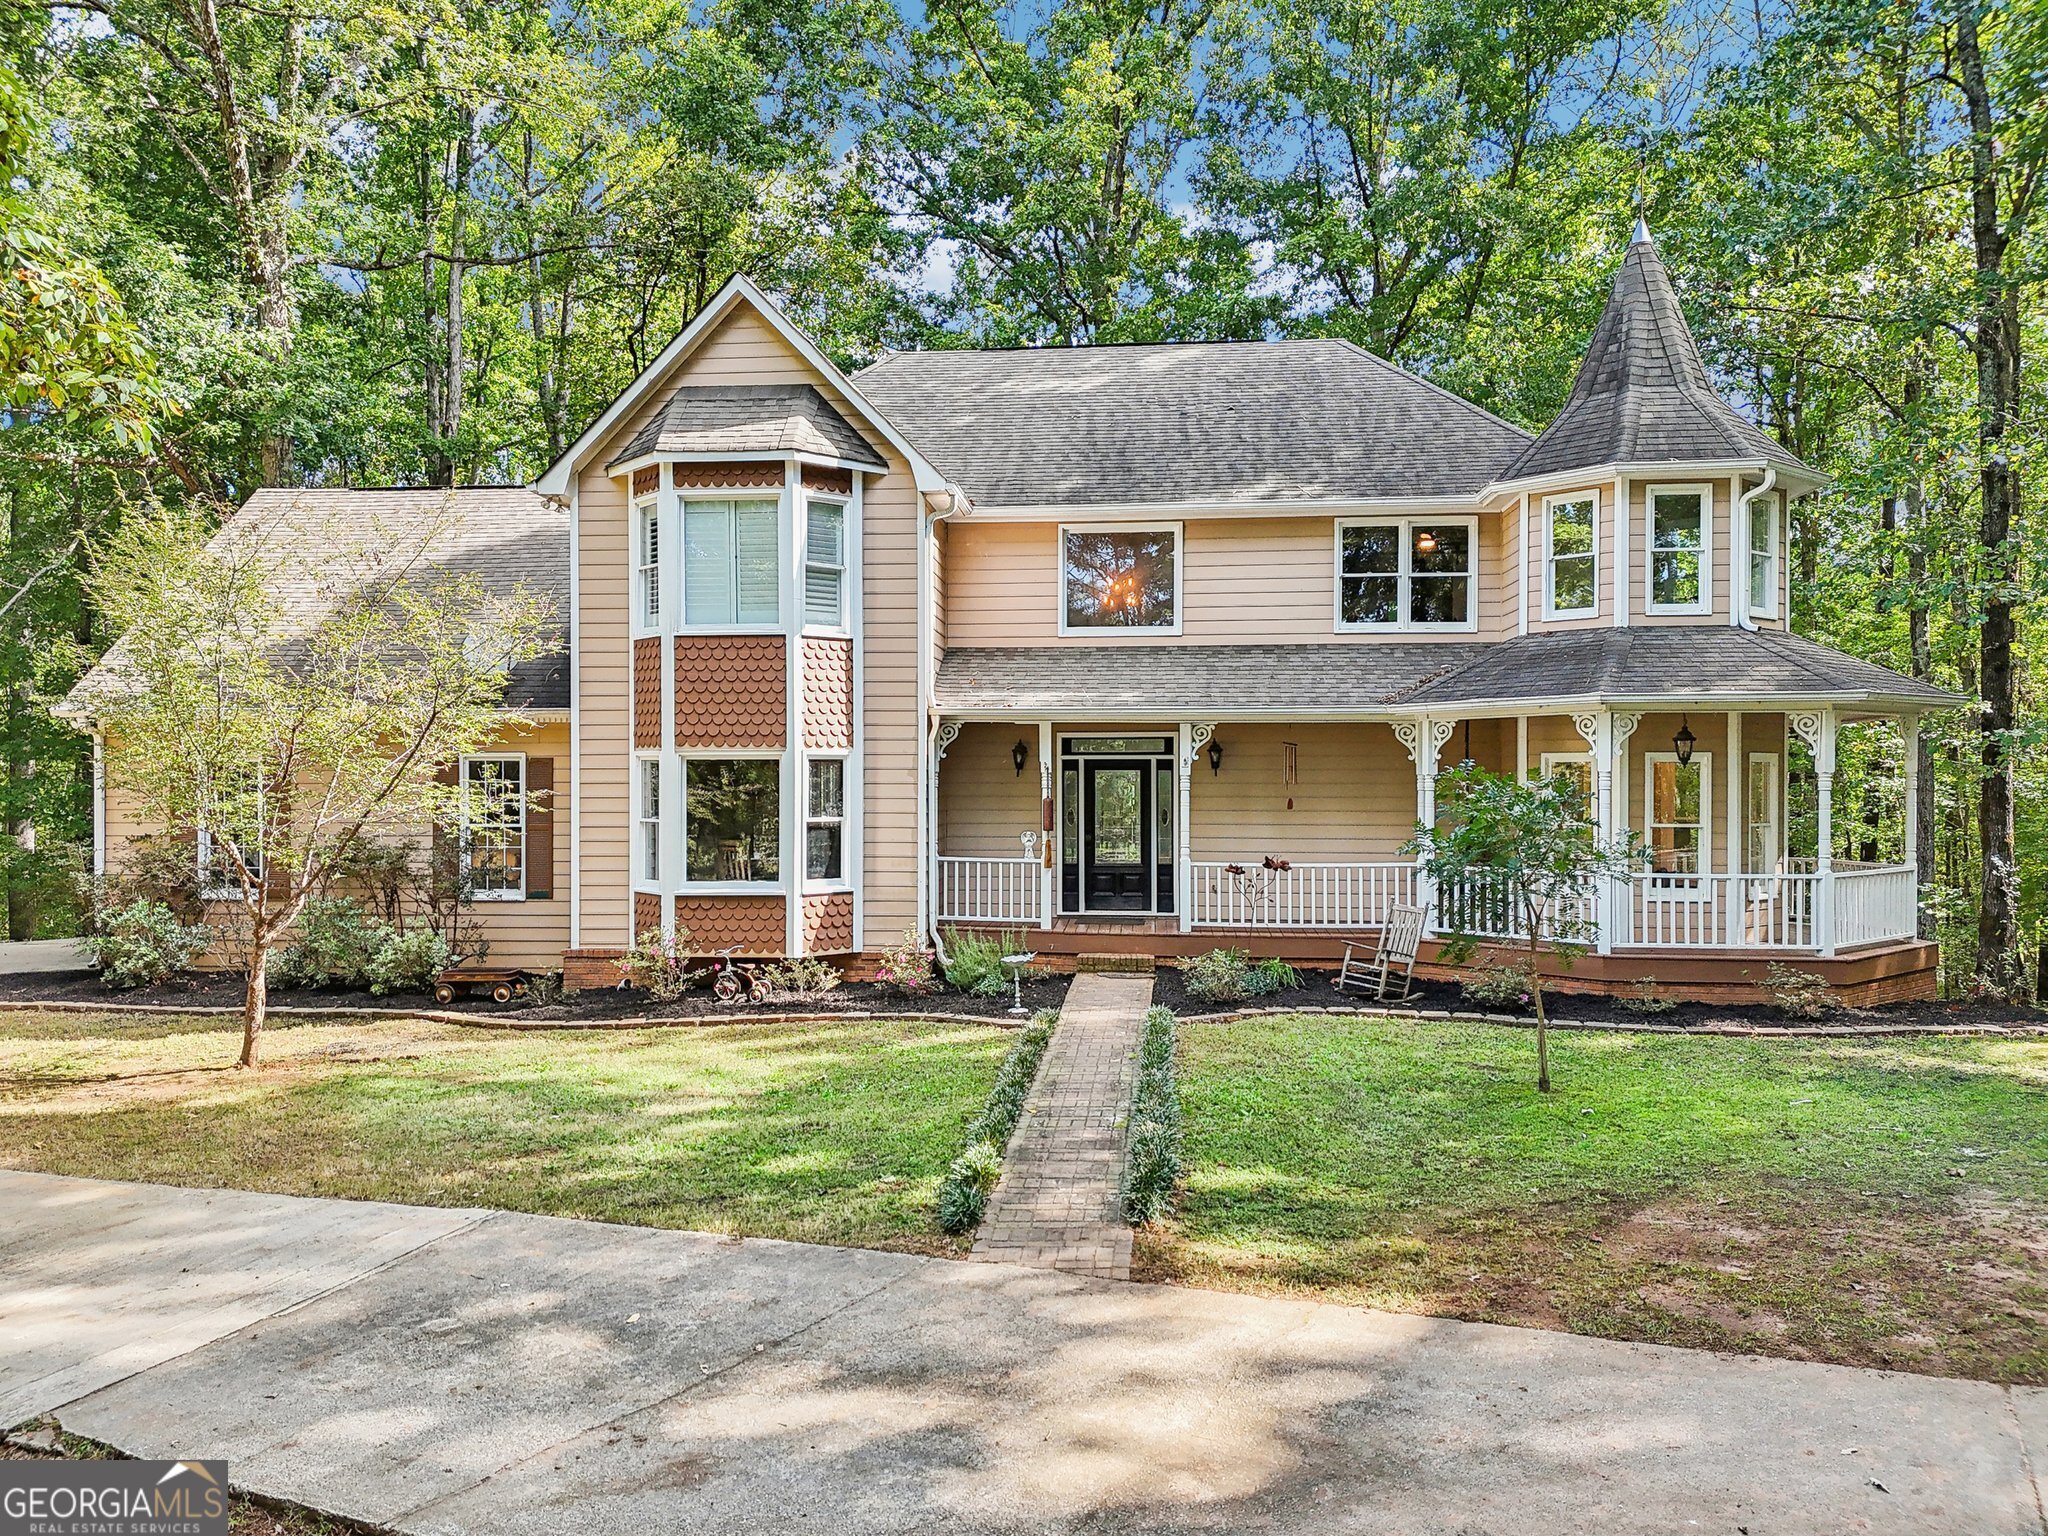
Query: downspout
(927, 789)
(1738, 599)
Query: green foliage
(971, 1179)
(660, 964)
(1152, 1166)
(907, 968)
(409, 961)
(144, 943)
(1232, 976)
(974, 961)
(1645, 995)
(1499, 985)
(801, 976)
(1799, 994)
(335, 943)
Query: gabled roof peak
(1642, 395)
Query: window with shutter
(731, 565)
(825, 565)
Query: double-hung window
(1410, 573)
(1577, 767)
(647, 822)
(647, 563)
(825, 565)
(1571, 567)
(825, 821)
(235, 828)
(731, 567)
(1681, 548)
(732, 820)
(1675, 799)
(1763, 556)
(1115, 579)
(494, 827)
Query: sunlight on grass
(830, 1132)
(1879, 1202)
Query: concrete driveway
(28, 956)
(447, 1371)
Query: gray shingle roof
(506, 535)
(1642, 395)
(751, 418)
(1685, 665)
(1189, 421)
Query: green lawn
(1876, 1203)
(821, 1132)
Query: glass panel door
(1117, 836)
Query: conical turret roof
(1642, 395)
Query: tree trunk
(255, 1001)
(1996, 345)
(1542, 1019)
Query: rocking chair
(1388, 963)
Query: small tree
(1525, 857)
(292, 690)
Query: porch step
(1137, 965)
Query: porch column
(1737, 776)
(1817, 729)
(1193, 738)
(1047, 830)
(1424, 739)
(1597, 727)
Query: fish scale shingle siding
(731, 691)
(828, 693)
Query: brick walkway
(1057, 1205)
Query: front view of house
(1151, 649)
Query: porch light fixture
(1020, 755)
(1683, 743)
(1215, 757)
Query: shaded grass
(833, 1132)
(1870, 1202)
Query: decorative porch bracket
(1817, 728)
(1193, 738)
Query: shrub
(800, 977)
(1270, 975)
(908, 968)
(1503, 984)
(1644, 996)
(334, 943)
(971, 1178)
(1799, 994)
(1220, 976)
(410, 961)
(1152, 1166)
(161, 869)
(544, 988)
(659, 964)
(974, 961)
(144, 943)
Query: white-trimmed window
(1681, 550)
(494, 826)
(1675, 800)
(219, 880)
(1571, 563)
(1406, 573)
(1764, 533)
(647, 564)
(1578, 766)
(647, 821)
(731, 566)
(825, 822)
(1766, 841)
(732, 821)
(825, 565)
(1120, 578)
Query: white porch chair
(1389, 961)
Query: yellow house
(1150, 649)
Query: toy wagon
(505, 982)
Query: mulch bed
(1318, 992)
(224, 993)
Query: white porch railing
(1482, 906)
(1300, 896)
(988, 890)
(1876, 903)
(1676, 911)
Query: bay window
(1405, 573)
(1763, 556)
(647, 563)
(730, 563)
(1571, 567)
(732, 818)
(825, 565)
(825, 821)
(494, 827)
(647, 822)
(1680, 548)
(1120, 578)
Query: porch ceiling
(1683, 665)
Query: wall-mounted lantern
(1683, 743)
(1020, 755)
(1215, 757)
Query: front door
(1116, 836)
